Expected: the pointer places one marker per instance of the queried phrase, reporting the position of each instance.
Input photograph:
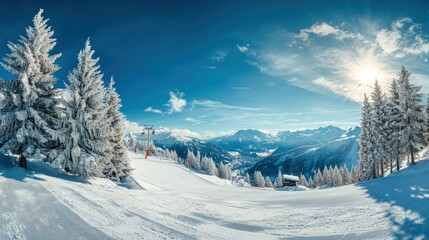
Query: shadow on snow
(408, 190)
(9, 169)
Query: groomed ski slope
(165, 201)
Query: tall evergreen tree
(268, 183)
(366, 164)
(247, 178)
(396, 124)
(258, 179)
(413, 133)
(279, 180)
(120, 165)
(378, 129)
(85, 141)
(30, 117)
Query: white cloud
(219, 105)
(324, 29)
(176, 102)
(219, 56)
(388, 40)
(243, 49)
(193, 120)
(398, 24)
(154, 110)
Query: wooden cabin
(290, 180)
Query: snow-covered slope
(166, 201)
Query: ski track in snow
(176, 204)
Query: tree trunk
(412, 155)
(391, 165)
(22, 161)
(382, 168)
(397, 164)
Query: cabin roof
(291, 177)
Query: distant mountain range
(249, 150)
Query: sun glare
(367, 75)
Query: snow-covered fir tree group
(79, 129)
(394, 127)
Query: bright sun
(367, 75)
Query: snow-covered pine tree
(336, 177)
(268, 183)
(366, 160)
(222, 171)
(198, 160)
(258, 179)
(318, 179)
(279, 179)
(325, 175)
(85, 142)
(303, 180)
(379, 134)
(228, 172)
(413, 134)
(117, 151)
(354, 175)
(311, 182)
(396, 123)
(204, 164)
(247, 178)
(211, 167)
(193, 160)
(30, 116)
(345, 176)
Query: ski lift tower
(150, 130)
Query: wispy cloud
(219, 56)
(193, 120)
(219, 105)
(243, 48)
(324, 29)
(153, 110)
(176, 103)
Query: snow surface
(163, 200)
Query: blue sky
(218, 66)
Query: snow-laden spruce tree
(117, 164)
(85, 142)
(318, 179)
(354, 175)
(302, 180)
(195, 162)
(311, 182)
(345, 176)
(396, 123)
(222, 171)
(30, 116)
(379, 121)
(258, 179)
(413, 133)
(336, 177)
(247, 178)
(366, 159)
(268, 183)
(211, 167)
(279, 179)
